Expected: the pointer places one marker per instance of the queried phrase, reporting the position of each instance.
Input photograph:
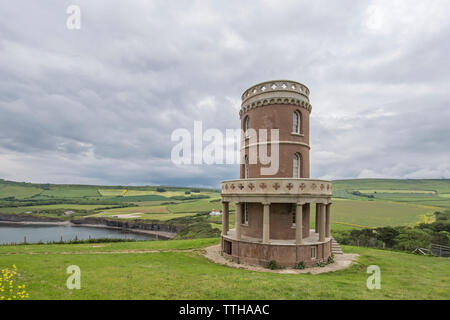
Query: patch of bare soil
(341, 261)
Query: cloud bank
(99, 104)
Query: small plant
(9, 288)
(321, 264)
(300, 265)
(272, 265)
(330, 260)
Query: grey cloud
(98, 105)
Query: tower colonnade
(277, 226)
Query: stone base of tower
(285, 252)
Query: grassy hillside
(177, 270)
(359, 202)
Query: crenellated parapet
(276, 92)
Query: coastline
(163, 235)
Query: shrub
(330, 260)
(159, 189)
(198, 230)
(300, 265)
(272, 265)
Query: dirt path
(132, 251)
(341, 261)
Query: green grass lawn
(177, 270)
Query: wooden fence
(439, 250)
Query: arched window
(296, 123)
(246, 168)
(246, 125)
(296, 165)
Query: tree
(411, 239)
(387, 235)
(442, 238)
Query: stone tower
(273, 211)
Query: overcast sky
(99, 104)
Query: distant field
(381, 202)
(438, 185)
(112, 192)
(345, 213)
(70, 193)
(427, 192)
(140, 209)
(376, 213)
(196, 206)
(166, 212)
(145, 216)
(396, 191)
(18, 192)
(51, 207)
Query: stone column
(225, 218)
(306, 218)
(299, 223)
(238, 220)
(328, 222)
(266, 222)
(322, 223)
(316, 228)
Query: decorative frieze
(272, 186)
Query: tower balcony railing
(277, 186)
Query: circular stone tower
(273, 198)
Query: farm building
(215, 212)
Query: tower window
(296, 125)
(296, 165)
(246, 125)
